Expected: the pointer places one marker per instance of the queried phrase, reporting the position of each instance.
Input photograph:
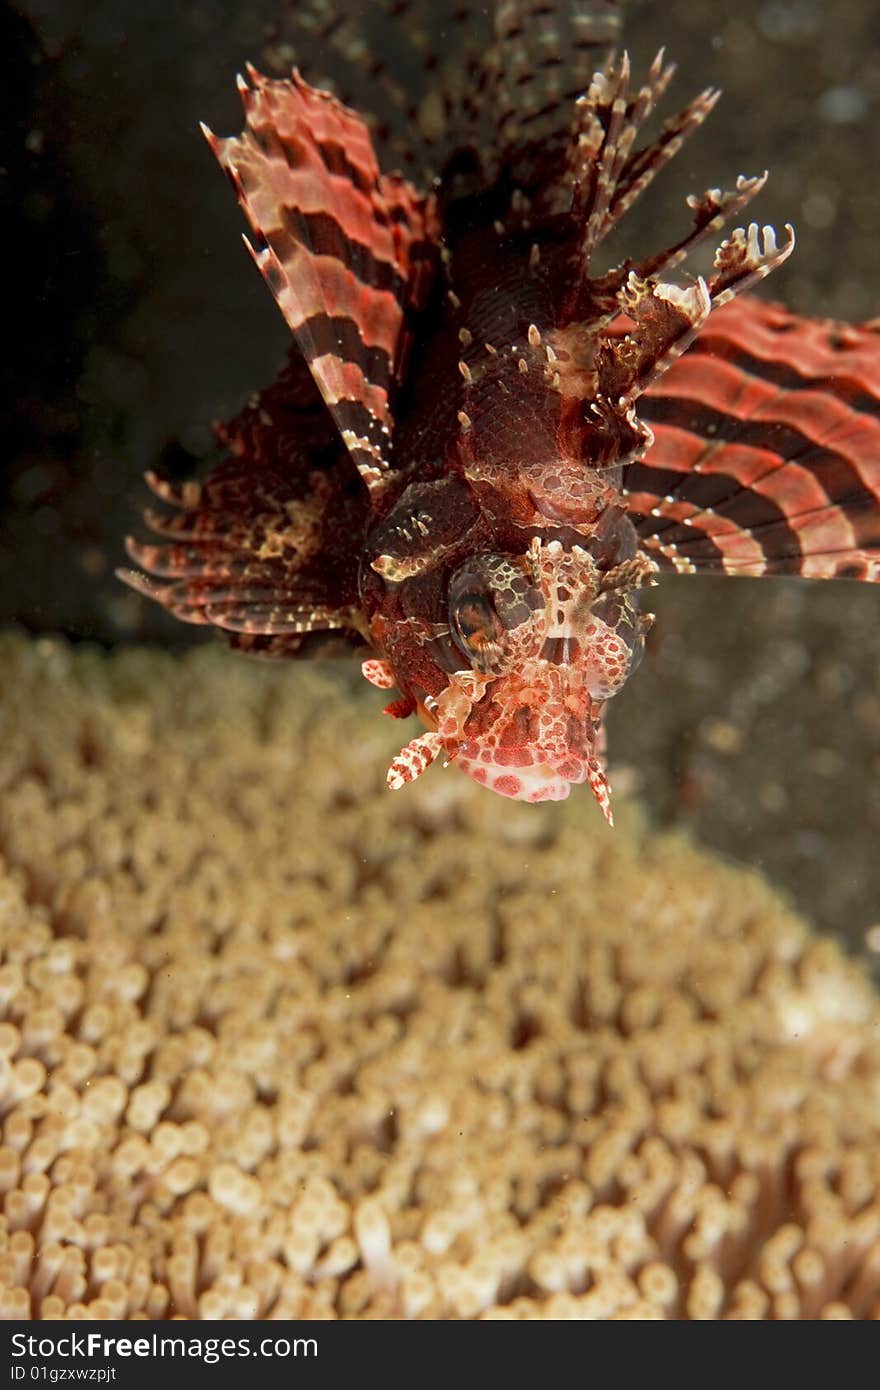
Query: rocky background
(136, 319)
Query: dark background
(134, 318)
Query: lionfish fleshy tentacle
(766, 453)
(600, 788)
(348, 253)
(378, 673)
(414, 759)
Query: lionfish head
(548, 638)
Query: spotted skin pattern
(480, 451)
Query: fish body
(482, 449)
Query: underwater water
(753, 725)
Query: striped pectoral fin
(203, 582)
(766, 453)
(236, 602)
(348, 253)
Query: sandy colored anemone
(276, 1042)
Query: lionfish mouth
(517, 767)
(536, 782)
(533, 741)
(530, 781)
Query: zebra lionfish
(481, 449)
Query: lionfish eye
(476, 627)
(487, 601)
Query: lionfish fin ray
(604, 173)
(710, 213)
(604, 177)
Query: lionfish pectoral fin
(766, 452)
(348, 253)
(258, 548)
(210, 594)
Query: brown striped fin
(265, 548)
(766, 453)
(543, 57)
(348, 253)
(415, 69)
(498, 78)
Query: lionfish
(481, 449)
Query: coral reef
(278, 1043)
